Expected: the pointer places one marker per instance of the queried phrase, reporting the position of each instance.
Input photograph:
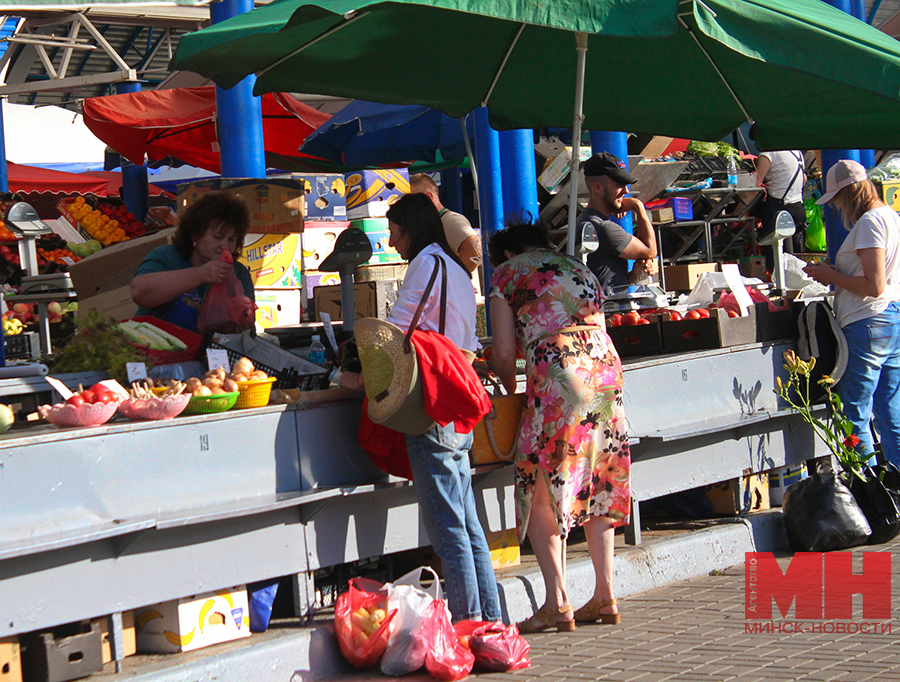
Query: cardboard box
(683, 277)
(636, 340)
(371, 192)
(375, 272)
(326, 195)
(748, 493)
(373, 299)
(129, 643)
(279, 307)
(274, 260)
(661, 215)
(382, 251)
(276, 205)
(103, 279)
(193, 622)
(68, 653)
(504, 547)
(557, 170)
(368, 225)
(10, 660)
(480, 318)
(318, 241)
(890, 192)
(753, 266)
(716, 331)
(315, 278)
(682, 208)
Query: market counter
(97, 521)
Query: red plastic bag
(447, 658)
(729, 302)
(498, 648)
(362, 636)
(226, 308)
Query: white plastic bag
(795, 278)
(407, 646)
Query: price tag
(136, 371)
(329, 331)
(218, 357)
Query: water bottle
(317, 351)
(732, 172)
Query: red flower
(851, 441)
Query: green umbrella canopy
(810, 75)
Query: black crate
(22, 346)
(635, 340)
(292, 371)
(65, 654)
(777, 324)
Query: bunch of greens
(97, 345)
(699, 148)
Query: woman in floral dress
(573, 465)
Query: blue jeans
(439, 459)
(871, 385)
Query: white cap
(845, 172)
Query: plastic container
(254, 393)
(207, 404)
(732, 171)
(316, 353)
(88, 414)
(156, 409)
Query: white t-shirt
(878, 228)
(460, 320)
(783, 172)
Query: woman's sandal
(590, 612)
(547, 617)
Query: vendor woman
(172, 281)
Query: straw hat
(392, 378)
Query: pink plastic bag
(498, 648)
(446, 659)
(361, 640)
(226, 309)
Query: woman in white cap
(866, 278)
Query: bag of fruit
(361, 622)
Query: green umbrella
(811, 76)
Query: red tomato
(615, 320)
(692, 315)
(99, 388)
(103, 397)
(643, 320)
(630, 319)
(75, 400)
(703, 312)
(87, 395)
(731, 313)
(675, 316)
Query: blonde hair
(854, 200)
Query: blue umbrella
(371, 134)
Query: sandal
(547, 619)
(590, 612)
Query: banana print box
(371, 192)
(193, 622)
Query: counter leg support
(116, 634)
(633, 532)
(304, 595)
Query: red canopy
(31, 179)
(180, 122)
(114, 184)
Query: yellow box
(739, 495)
(279, 307)
(480, 319)
(683, 277)
(890, 192)
(129, 644)
(318, 241)
(10, 660)
(371, 192)
(504, 548)
(274, 260)
(193, 622)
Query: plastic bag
(226, 309)
(361, 623)
(407, 645)
(815, 227)
(261, 597)
(821, 515)
(447, 658)
(879, 506)
(795, 278)
(498, 647)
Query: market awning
(35, 180)
(180, 122)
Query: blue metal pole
(834, 229)
(490, 184)
(239, 113)
(4, 175)
(866, 156)
(518, 173)
(135, 190)
(614, 143)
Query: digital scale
(351, 248)
(23, 220)
(624, 299)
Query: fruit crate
(289, 369)
(716, 331)
(22, 346)
(780, 323)
(636, 340)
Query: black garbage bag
(821, 515)
(878, 501)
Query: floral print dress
(573, 433)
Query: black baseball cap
(605, 163)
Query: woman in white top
(866, 278)
(439, 458)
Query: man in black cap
(607, 181)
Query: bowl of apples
(88, 407)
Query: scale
(23, 220)
(784, 229)
(351, 248)
(630, 297)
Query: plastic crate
(168, 357)
(22, 346)
(289, 370)
(682, 207)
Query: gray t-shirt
(606, 262)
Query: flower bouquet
(832, 510)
